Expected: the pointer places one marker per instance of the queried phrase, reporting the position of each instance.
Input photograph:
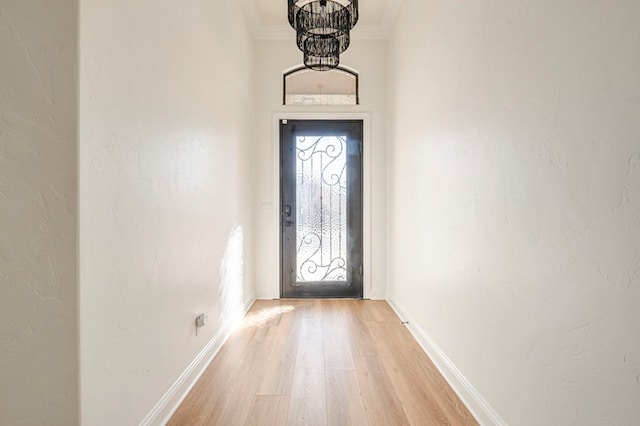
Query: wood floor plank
(312, 308)
(360, 339)
(268, 411)
(420, 402)
(426, 396)
(308, 401)
(208, 392)
(337, 348)
(380, 399)
(233, 407)
(379, 310)
(344, 401)
(321, 362)
(277, 365)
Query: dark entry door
(321, 208)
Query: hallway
(140, 167)
(319, 362)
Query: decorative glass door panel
(321, 208)
(321, 213)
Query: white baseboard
(377, 295)
(248, 303)
(171, 400)
(267, 295)
(479, 407)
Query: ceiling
(268, 18)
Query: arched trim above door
(302, 86)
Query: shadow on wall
(231, 293)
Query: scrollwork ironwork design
(321, 251)
(310, 270)
(333, 149)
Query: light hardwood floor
(321, 362)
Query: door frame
(367, 281)
(352, 284)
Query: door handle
(286, 213)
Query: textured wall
(166, 126)
(515, 199)
(272, 58)
(38, 181)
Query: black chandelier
(323, 30)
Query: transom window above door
(302, 86)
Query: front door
(321, 208)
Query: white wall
(165, 193)
(515, 199)
(273, 57)
(38, 219)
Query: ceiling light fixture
(323, 29)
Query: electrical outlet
(201, 320)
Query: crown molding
(284, 32)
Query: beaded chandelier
(323, 29)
